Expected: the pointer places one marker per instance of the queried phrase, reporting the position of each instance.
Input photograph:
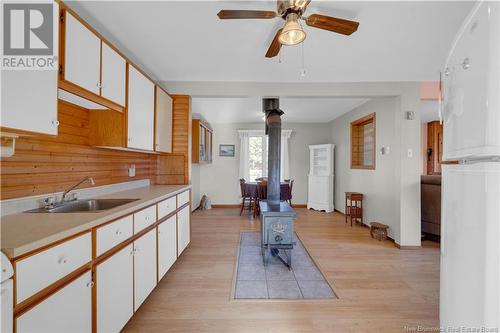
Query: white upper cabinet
(113, 75)
(29, 97)
(29, 101)
(140, 110)
(82, 55)
(163, 121)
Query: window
(257, 156)
(253, 154)
(363, 143)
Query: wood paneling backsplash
(43, 164)
(175, 168)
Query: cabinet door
(7, 308)
(163, 121)
(115, 288)
(68, 310)
(113, 75)
(144, 267)
(29, 100)
(167, 245)
(140, 110)
(29, 97)
(183, 229)
(82, 55)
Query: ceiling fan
(292, 33)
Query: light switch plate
(131, 170)
(410, 153)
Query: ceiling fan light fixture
(292, 33)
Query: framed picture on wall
(226, 150)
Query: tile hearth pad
(275, 281)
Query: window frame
(355, 127)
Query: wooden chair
(261, 195)
(290, 183)
(246, 200)
(261, 179)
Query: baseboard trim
(404, 247)
(364, 225)
(239, 205)
(299, 205)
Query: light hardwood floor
(380, 288)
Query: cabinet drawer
(166, 207)
(183, 198)
(144, 218)
(113, 234)
(42, 269)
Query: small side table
(354, 207)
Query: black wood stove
(277, 217)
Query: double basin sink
(82, 206)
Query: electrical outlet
(410, 153)
(131, 171)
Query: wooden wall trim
(175, 168)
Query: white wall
(219, 180)
(407, 133)
(380, 187)
(195, 181)
(392, 190)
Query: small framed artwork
(226, 150)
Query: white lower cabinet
(68, 310)
(167, 245)
(183, 229)
(115, 285)
(122, 281)
(144, 267)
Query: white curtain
(285, 154)
(244, 165)
(244, 154)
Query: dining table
(285, 192)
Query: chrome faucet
(75, 186)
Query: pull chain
(303, 70)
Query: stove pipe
(270, 106)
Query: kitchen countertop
(24, 232)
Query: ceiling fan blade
(275, 46)
(246, 14)
(334, 24)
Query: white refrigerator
(470, 110)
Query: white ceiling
(297, 109)
(185, 41)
